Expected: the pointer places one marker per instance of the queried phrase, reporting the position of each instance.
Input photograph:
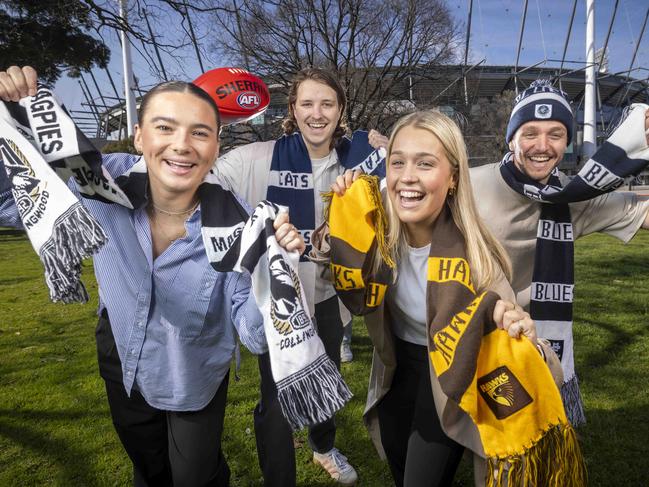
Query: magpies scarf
(551, 294)
(310, 388)
(501, 383)
(291, 180)
(38, 142)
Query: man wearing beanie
(537, 212)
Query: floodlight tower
(131, 114)
(590, 100)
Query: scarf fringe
(313, 394)
(379, 219)
(76, 235)
(553, 461)
(573, 402)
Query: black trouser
(167, 448)
(419, 452)
(274, 437)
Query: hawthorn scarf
(551, 294)
(310, 388)
(357, 226)
(501, 383)
(291, 181)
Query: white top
(245, 170)
(407, 297)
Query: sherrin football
(239, 94)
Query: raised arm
(15, 83)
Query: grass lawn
(55, 427)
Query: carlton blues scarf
(310, 388)
(552, 287)
(291, 180)
(501, 383)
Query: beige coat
(462, 428)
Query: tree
(486, 125)
(380, 49)
(49, 35)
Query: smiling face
(317, 111)
(419, 176)
(178, 137)
(538, 147)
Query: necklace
(174, 213)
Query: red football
(239, 94)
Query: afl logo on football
(248, 100)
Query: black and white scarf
(40, 146)
(625, 153)
(291, 179)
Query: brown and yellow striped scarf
(501, 383)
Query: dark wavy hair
(321, 76)
(178, 87)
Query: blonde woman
(428, 196)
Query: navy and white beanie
(541, 101)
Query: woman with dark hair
(167, 319)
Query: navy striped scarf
(291, 179)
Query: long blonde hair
(486, 256)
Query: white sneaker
(336, 464)
(346, 354)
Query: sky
(495, 29)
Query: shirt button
(132, 351)
(129, 373)
(140, 324)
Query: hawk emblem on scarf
(503, 392)
(286, 309)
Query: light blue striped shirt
(172, 317)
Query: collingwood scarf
(310, 389)
(625, 153)
(291, 180)
(501, 383)
(38, 142)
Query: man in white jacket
(294, 170)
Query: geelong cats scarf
(625, 153)
(291, 180)
(501, 383)
(310, 388)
